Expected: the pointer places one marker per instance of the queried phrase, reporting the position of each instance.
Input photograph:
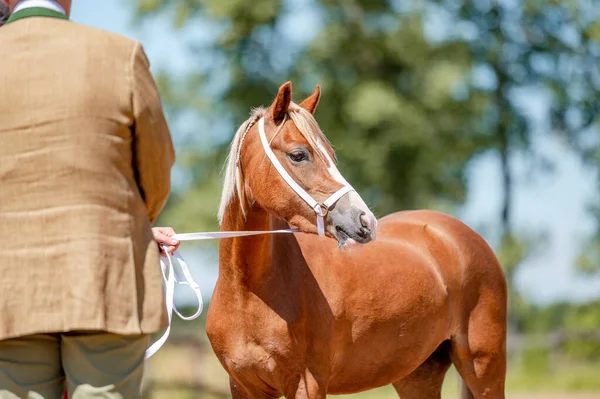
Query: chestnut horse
(293, 315)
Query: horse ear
(310, 104)
(280, 106)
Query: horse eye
(298, 156)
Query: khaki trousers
(94, 365)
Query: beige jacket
(85, 160)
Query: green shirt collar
(35, 12)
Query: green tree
(395, 105)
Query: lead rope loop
(170, 278)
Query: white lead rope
(170, 277)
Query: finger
(168, 231)
(166, 236)
(163, 238)
(172, 249)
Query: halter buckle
(321, 210)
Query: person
(85, 167)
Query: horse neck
(247, 261)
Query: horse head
(281, 162)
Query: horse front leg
(236, 391)
(308, 388)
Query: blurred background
(484, 109)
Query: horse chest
(250, 343)
(260, 364)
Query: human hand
(163, 235)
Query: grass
(565, 376)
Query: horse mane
(233, 179)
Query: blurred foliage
(412, 92)
(511, 252)
(537, 360)
(588, 262)
(546, 318)
(580, 324)
(583, 319)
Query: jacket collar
(37, 8)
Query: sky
(554, 203)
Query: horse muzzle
(353, 227)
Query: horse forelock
(232, 182)
(309, 128)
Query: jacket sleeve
(153, 153)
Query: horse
(348, 303)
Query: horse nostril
(363, 220)
(364, 232)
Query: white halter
(321, 210)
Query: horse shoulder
(244, 325)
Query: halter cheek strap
(321, 210)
